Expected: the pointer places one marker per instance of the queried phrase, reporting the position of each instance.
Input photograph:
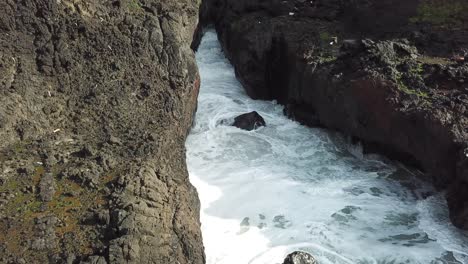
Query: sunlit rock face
(96, 98)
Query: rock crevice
(392, 84)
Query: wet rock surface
(398, 84)
(249, 121)
(300, 257)
(96, 101)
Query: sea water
(287, 187)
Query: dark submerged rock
(300, 257)
(249, 121)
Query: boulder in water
(299, 257)
(249, 121)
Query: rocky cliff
(390, 73)
(96, 101)
(97, 98)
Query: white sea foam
(286, 187)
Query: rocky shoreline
(400, 85)
(98, 98)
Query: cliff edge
(96, 101)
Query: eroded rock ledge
(390, 73)
(96, 101)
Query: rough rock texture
(96, 101)
(249, 121)
(299, 257)
(400, 83)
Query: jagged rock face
(299, 257)
(96, 101)
(249, 121)
(400, 100)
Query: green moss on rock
(443, 13)
(134, 6)
(401, 85)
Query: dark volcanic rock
(300, 257)
(97, 97)
(394, 86)
(249, 121)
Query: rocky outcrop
(249, 121)
(96, 101)
(299, 257)
(406, 97)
